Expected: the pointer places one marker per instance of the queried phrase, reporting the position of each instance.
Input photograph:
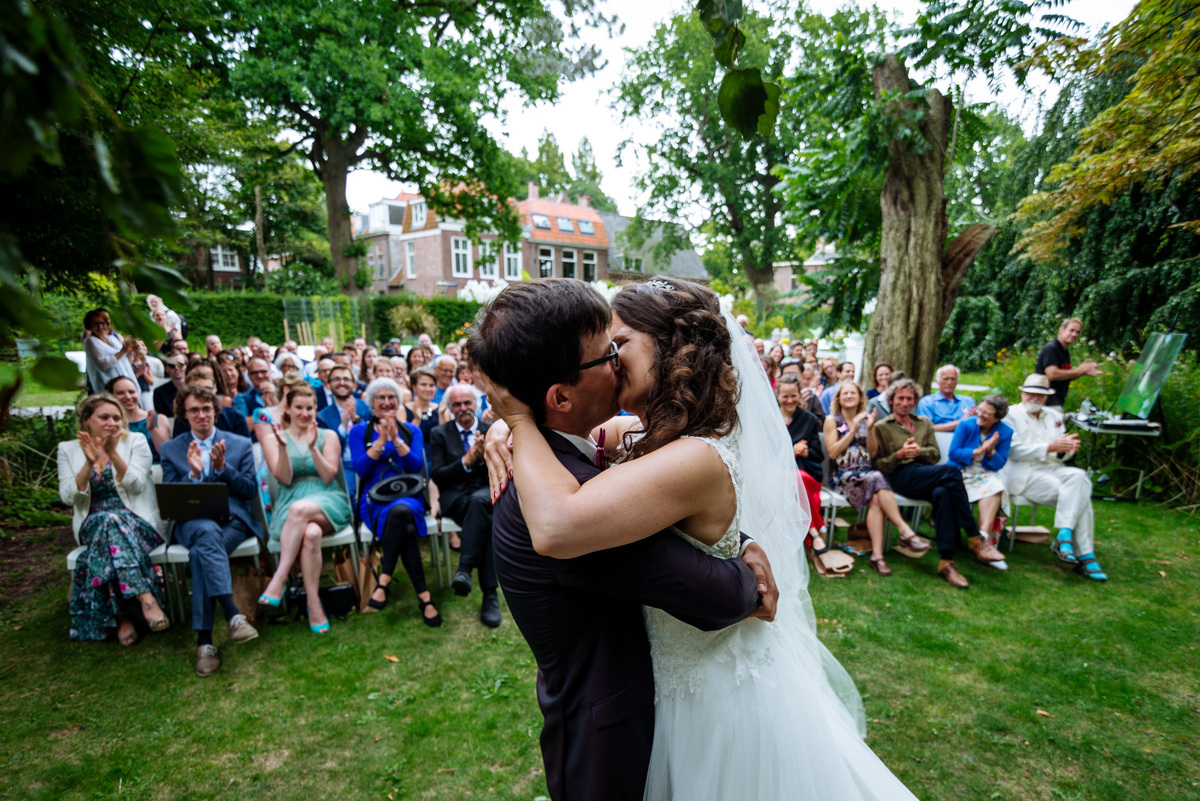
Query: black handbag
(393, 488)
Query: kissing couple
(660, 675)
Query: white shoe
(240, 629)
(1001, 565)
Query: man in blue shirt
(245, 404)
(845, 373)
(944, 408)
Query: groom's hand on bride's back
(756, 559)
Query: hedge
(453, 316)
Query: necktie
(466, 438)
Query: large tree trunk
(260, 237)
(333, 172)
(919, 276)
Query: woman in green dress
(311, 503)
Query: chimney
(585, 201)
(562, 197)
(533, 191)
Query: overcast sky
(583, 107)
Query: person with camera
(383, 448)
(305, 461)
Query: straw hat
(1036, 384)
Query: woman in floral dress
(849, 444)
(104, 474)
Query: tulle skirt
(759, 719)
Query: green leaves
(748, 105)
(58, 372)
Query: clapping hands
(910, 450)
(216, 457)
(195, 459)
(1067, 443)
(93, 451)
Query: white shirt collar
(206, 442)
(586, 446)
(472, 429)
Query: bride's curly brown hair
(696, 390)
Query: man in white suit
(1035, 471)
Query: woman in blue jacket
(380, 448)
(980, 449)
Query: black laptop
(182, 502)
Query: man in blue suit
(342, 415)
(200, 456)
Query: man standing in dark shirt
(1054, 362)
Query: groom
(582, 617)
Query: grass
(952, 683)
(33, 394)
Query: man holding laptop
(205, 455)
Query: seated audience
(907, 453)
(320, 381)
(206, 455)
(456, 466)
(980, 450)
(258, 375)
(229, 420)
(164, 395)
(104, 476)
(212, 345)
(424, 410)
(366, 364)
(288, 362)
(150, 424)
(829, 372)
(845, 373)
(310, 503)
(382, 448)
(230, 369)
(879, 403)
(851, 445)
(1035, 471)
(342, 415)
(805, 432)
(944, 408)
(880, 377)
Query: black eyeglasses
(611, 356)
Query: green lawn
(34, 393)
(952, 681)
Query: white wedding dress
(758, 710)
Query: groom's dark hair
(530, 336)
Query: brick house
(409, 248)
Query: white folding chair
(944, 438)
(831, 501)
(439, 527)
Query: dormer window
(541, 221)
(419, 215)
(564, 225)
(586, 228)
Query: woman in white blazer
(104, 475)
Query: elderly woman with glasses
(980, 449)
(381, 448)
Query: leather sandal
(879, 566)
(432, 622)
(387, 594)
(912, 546)
(1089, 568)
(1064, 550)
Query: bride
(758, 710)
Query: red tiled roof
(553, 210)
(407, 196)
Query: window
(512, 263)
(635, 265)
(586, 228)
(565, 225)
(419, 215)
(460, 252)
(488, 256)
(545, 262)
(568, 262)
(589, 265)
(395, 215)
(541, 221)
(225, 259)
(410, 258)
(376, 262)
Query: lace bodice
(682, 653)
